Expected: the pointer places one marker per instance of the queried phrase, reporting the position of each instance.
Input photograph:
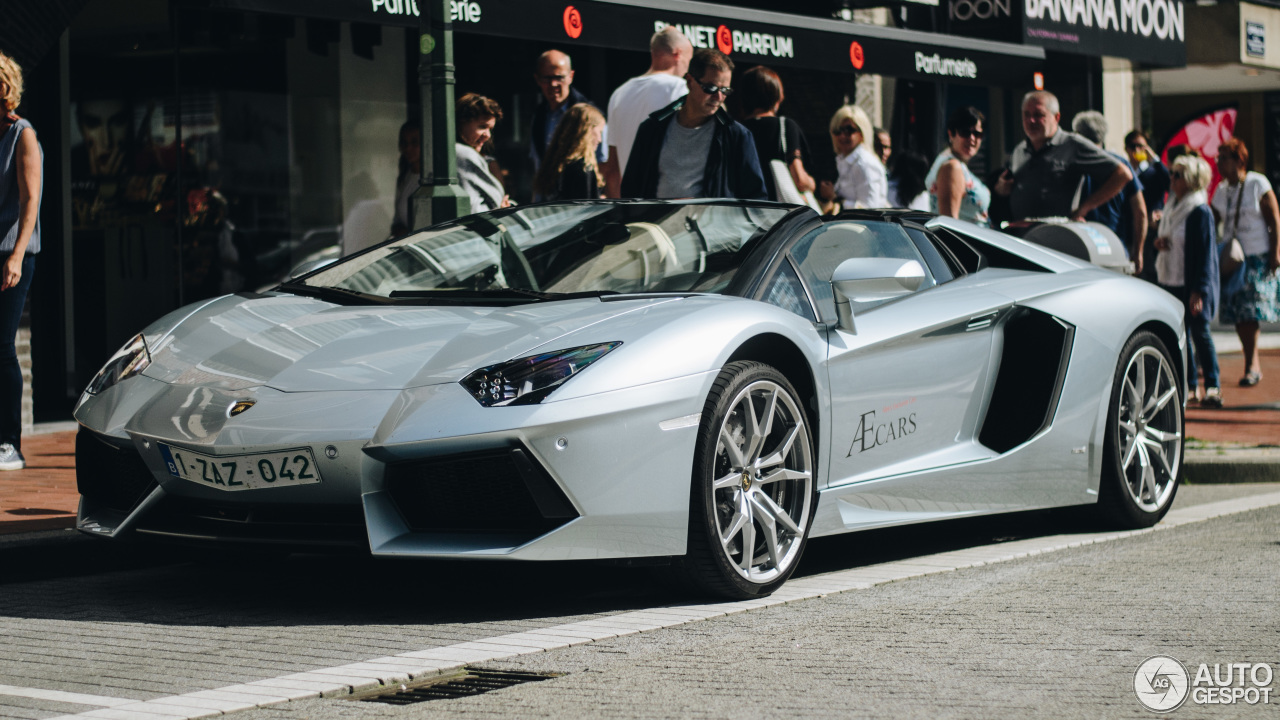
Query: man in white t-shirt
(640, 96)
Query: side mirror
(865, 281)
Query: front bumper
(421, 472)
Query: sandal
(1251, 378)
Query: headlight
(127, 362)
(527, 380)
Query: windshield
(549, 250)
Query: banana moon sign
(747, 35)
(1147, 31)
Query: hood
(299, 344)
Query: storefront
(1230, 86)
(205, 148)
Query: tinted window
(785, 291)
(941, 270)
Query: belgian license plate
(242, 472)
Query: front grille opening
(473, 682)
(111, 476)
(500, 491)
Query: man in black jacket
(692, 148)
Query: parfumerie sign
(750, 37)
(935, 64)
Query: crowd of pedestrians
(668, 133)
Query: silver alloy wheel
(763, 486)
(1150, 425)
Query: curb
(1217, 465)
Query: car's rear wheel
(1142, 459)
(753, 494)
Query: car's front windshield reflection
(562, 249)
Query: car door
(908, 382)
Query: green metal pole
(439, 197)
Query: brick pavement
(43, 496)
(1251, 416)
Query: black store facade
(199, 148)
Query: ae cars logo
(871, 434)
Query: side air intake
(1033, 365)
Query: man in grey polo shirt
(1046, 174)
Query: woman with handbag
(780, 144)
(953, 188)
(1246, 206)
(1187, 267)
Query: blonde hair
(10, 83)
(569, 142)
(1195, 171)
(855, 115)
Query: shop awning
(753, 36)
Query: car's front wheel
(753, 494)
(1142, 457)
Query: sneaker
(11, 458)
(1212, 398)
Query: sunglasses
(970, 133)
(848, 130)
(710, 89)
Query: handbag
(787, 191)
(1231, 252)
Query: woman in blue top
(20, 177)
(953, 188)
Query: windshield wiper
(337, 295)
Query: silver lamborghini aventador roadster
(712, 382)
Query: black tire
(762, 493)
(1150, 438)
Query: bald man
(554, 75)
(635, 99)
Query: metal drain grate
(475, 682)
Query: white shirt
(1253, 229)
(862, 180)
(633, 102)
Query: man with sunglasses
(692, 148)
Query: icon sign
(855, 55)
(724, 39)
(426, 44)
(572, 22)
